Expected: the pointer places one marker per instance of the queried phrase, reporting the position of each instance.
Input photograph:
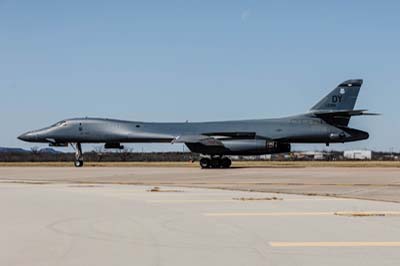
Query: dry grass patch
(99, 164)
(235, 164)
(304, 164)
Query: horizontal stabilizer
(342, 112)
(339, 117)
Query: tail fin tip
(351, 83)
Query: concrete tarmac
(109, 224)
(363, 183)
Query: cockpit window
(60, 124)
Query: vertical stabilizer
(343, 97)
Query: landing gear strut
(78, 155)
(215, 162)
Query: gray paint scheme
(327, 122)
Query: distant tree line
(93, 156)
(128, 155)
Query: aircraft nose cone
(29, 136)
(21, 137)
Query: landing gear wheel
(78, 154)
(226, 162)
(216, 162)
(205, 163)
(78, 163)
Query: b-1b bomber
(326, 122)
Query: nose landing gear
(78, 155)
(215, 162)
(78, 163)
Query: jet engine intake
(58, 144)
(113, 146)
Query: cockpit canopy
(60, 124)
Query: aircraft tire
(205, 163)
(216, 163)
(226, 162)
(78, 163)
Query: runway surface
(364, 183)
(108, 224)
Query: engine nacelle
(255, 147)
(58, 144)
(241, 147)
(113, 146)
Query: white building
(358, 155)
(311, 155)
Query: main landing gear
(215, 162)
(78, 154)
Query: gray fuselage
(294, 129)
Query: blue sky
(195, 60)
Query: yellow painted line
(333, 244)
(349, 213)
